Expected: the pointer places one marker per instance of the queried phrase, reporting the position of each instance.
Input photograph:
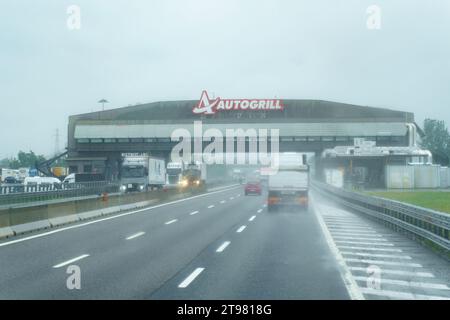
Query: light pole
(103, 101)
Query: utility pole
(56, 142)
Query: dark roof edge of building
(195, 101)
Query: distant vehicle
(174, 173)
(142, 172)
(194, 175)
(11, 180)
(23, 173)
(290, 185)
(9, 173)
(253, 186)
(42, 181)
(83, 177)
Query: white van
(38, 181)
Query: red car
(253, 187)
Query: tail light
(273, 200)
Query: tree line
(437, 140)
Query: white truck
(289, 185)
(174, 173)
(141, 172)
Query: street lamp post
(103, 101)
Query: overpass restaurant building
(97, 140)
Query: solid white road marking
(365, 243)
(62, 264)
(401, 295)
(223, 246)
(211, 206)
(363, 254)
(350, 284)
(135, 235)
(369, 248)
(398, 272)
(425, 285)
(44, 234)
(259, 211)
(241, 228)
(252, 218)
(172, 221)
(193, 212)
(190, 278)
(388, 263)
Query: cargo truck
(174, 173)
(289, 185)
(141, 172)
(194, 175)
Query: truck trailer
(289, 185)
(141, 172)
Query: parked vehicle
(290, 185)
(11, 180)
(142, 172)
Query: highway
(222, 245)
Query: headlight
(123, 188)
(141, 187)
(183, 183)
(197, 182)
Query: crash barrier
(22, 218)
(425, 225)
(13, 194)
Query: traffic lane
(133, 270)
(20, 262)
(123, 268)
(279, 255)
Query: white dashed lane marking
(172, 221)
(223, 246)
(135, 235)
(62, 264)
(241, 228)
(186, 282)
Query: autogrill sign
(211, 106)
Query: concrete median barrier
(19, 219)
(5, 229)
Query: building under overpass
(96, 140)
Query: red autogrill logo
(211, 106)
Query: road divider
(24, 218)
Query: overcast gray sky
(143, 51)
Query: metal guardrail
(18, 194)
(426, 224)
